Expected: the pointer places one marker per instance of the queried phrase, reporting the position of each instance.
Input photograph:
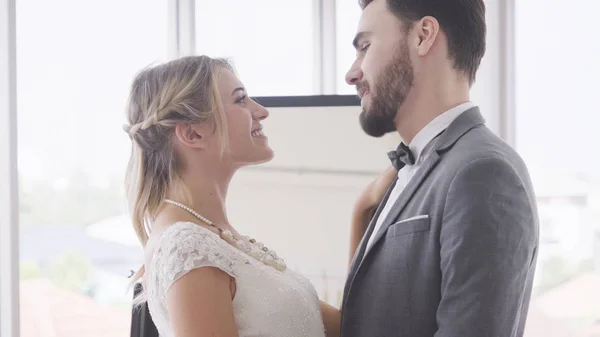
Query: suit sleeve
(488, 246)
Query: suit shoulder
(482, 144)
(481, 149)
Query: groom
(451, 250)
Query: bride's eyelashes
(241, 100)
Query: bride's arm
(200, 304)
(331, 319)
(366, 205)
(360, 221)
(362, 213)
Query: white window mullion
(9, 238)
(324, 47)
(329, 47)
(507, 78)
(493, 90)
(182, 28)
(187, 27)
(173, 29)
(317, 47)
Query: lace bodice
(267, 302)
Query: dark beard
(391, 89)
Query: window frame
(9, 222)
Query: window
(347, 16)
(557, 71)
(76, 61)
(269, 41)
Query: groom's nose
(354, 75)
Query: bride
(192, 126)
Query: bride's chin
(261, 158)
(269, 155)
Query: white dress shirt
(421, 146)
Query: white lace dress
(267, 302)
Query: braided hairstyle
(182, 90)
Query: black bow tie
(402, 156)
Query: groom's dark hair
(463, 21)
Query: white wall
(325, 138)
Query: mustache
(362, 85)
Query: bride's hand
(375, 191)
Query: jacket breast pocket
(420, 223)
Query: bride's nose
(260, 112)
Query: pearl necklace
(247, 245)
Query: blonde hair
(182, 90)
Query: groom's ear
(425, 32)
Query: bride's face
(247, 142)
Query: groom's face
(382, 71)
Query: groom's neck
(426, 102)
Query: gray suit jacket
(456, 255)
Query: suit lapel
(358, 255)
(363, 243)
(404, 197)
(460, 126)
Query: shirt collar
(434, 128)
